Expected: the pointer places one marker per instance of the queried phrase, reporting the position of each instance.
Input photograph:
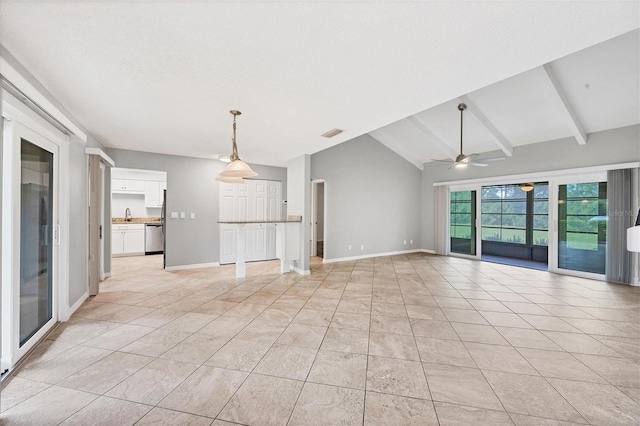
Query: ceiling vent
(331, 133)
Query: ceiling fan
(463, 160)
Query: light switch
(174, 215)
(193, 215)
(182, 215)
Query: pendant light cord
(234, 153)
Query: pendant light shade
(237, 169)
(230, 179)
(526, 187)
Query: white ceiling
(162, 76)
(601, 83)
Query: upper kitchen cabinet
(153, 191)
(127, 186)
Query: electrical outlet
(193, 215)
(405, 242)
(411, 241)
(349, 246)
(182, 215)
(362, 247)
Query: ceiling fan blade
(477, 164)
(442, 161)
(471, 157)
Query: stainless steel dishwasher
(153, 238)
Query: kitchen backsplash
(135, 202)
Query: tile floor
(404, 340)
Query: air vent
(332, 133)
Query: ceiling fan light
(526, 187)
(461, 165)
(238, 169)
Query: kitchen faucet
(127, 215)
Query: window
(504, 214)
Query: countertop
(135, 220)
(259, 221)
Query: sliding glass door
(36, 239)
(462, 222)
(582, 227)
(30, 255)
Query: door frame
(20, 121)
(313, 250)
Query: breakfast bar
(287, 242)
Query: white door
(30, 248)
(256, 200)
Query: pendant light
(237, 169)
(526, 187)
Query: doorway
(317, 243)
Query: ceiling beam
(433, 138)
(383, 138)
(498, 137)
(565, 106)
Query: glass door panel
(463, 222)
(582, 226)
(36, 239)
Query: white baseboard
(192, 266)
(428, 251)
(107, 274)
(300, 271)
(368, 256)
(78, 303)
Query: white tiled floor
(404, 340)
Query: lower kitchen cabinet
(127, 239)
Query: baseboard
(428, 251)
(300, 271)
(192, 266)
(107, 274)
(78, 303)
(368, 256)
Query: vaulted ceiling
(595, 89)
(162, 76)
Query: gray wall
(607, 147)
(372, 198)
(191, 188)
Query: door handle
(100, 231)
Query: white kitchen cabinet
(127, 186)
(153, 193)
(127, 239)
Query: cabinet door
(134, 185)
(117, 184)
(152, 194)
(117, 242)
(133, 241)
